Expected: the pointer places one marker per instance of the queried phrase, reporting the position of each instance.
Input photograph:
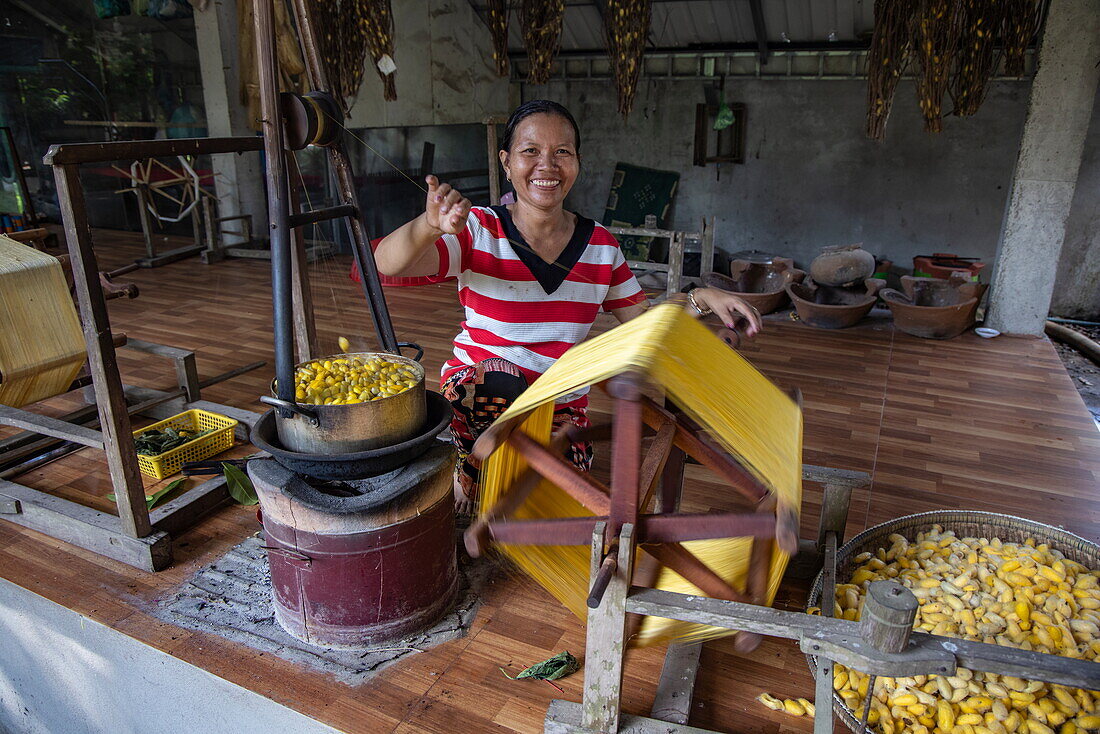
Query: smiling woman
(532, 278)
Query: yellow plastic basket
(168, 463)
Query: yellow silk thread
(41, 343)
(746, 414)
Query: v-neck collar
(549, 275)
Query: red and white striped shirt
(522, 309)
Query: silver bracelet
(695, 304)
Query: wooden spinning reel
(659, 534)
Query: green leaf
(556, 667)
(154, 499)
(239, 485)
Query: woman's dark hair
(535, 107)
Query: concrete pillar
(238, 178)
(1043, 183)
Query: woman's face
(542, 162)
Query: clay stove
(357, 562)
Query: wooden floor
(969, 423)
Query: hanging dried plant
(1020, 25)
(541, 36)
(975, 60)
(498, 29)
(292, 77)
(627, 25)
(935, 42)
(377, 25)
(341, 45)
(891, 45)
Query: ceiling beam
(761, 31)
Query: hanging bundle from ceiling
(377, 25)
(976, 60)
(1020, 25)
(541, 36)
(627, 25)
(891, 45)
(498, 29)
(341, 45)
(935, 43)
(292, 70)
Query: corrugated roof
(686, 23)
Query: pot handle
(306, 413)
(419, 351)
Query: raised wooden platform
(985, 424)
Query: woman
(532, 278)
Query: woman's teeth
(544, 183)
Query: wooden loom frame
(878, 645)
(136, 536)
(618, 527)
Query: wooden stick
(709, 455)
(626, 437)
(684, 562)
(496, 435)
(577, 484)
(654, 463)
(477, 536)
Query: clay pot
(761, 285)
(933, 308)
(842, 266)
(833, 307)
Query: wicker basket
(965, 524)
(168, 463)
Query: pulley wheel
(311, 119)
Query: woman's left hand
(729, 308)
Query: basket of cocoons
(749, 425)
(985, 577)
(41, 342)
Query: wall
(445, 70)
(1077, 288)
(63, 672)
(811, 178)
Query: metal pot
(344, 429)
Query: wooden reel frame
(633, 484)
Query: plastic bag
(111, 8)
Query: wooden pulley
(310, 119)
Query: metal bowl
(965, 523)
(359, 464)
(342, 429)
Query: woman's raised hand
(445, 209)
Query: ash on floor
(232, 598)
(1082, 370)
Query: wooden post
(114, 419)
(675, 264)
(606, 641)
(760, 562)
(886, 620)
(492, 146)
(706, 258)
(626, 442)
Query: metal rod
(320, 215)
(277, 202)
